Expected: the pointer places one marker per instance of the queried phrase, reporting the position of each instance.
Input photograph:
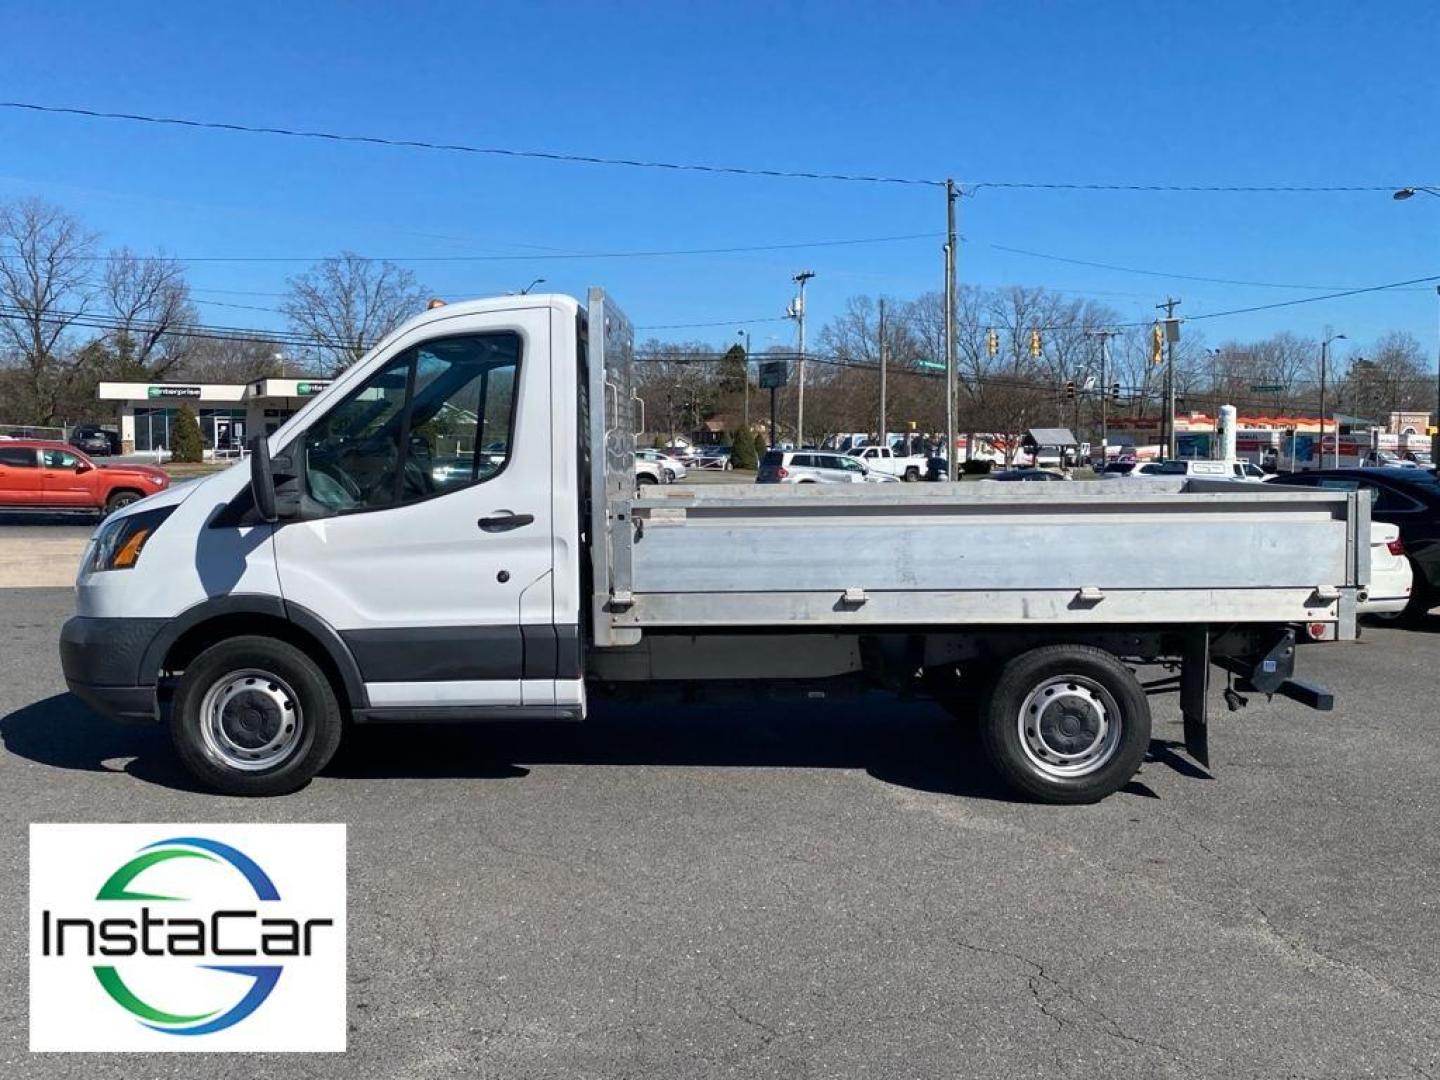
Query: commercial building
(228, 412)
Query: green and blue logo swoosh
(121, 886)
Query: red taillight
(1396, 547)
(782, 473)
(1319, 631)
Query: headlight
(118, 542)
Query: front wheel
(255, 716)
(1066, 724)
(119, 501)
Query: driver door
(425, 536)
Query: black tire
(1105, 695)
(643, 479)
(319, 717)
(119, 500)
(912, 474)
(1422, 598)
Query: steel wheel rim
(251, 720)
(1069, 726)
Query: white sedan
(673, 466)
(1391, 576)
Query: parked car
(1198, 467)
(672, 466)
(1420, 458)
(1025, 474)
(815, 467)
(1391, 578)
(648, 472)
(95, 440)
(1409, 498)
(1387, 459)
(882, 459)
(711, 457)
(43, 475)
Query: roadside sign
(1266, 388)
(933, 365)
(774, 373)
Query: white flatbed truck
(342, 573)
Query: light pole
(527, 288)
(1401, 196)
(1324, 358)
(746, 335)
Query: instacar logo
(188, 943)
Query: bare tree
(44, 290)
(148, 299)
(227, 360)
(348, 303)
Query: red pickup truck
(37, 475)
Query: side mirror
(262, 479)
(83, 467)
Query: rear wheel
(119, 500)
(643, 479)
(255, 716)
(1066, 723)
(912, 474)
(1422, 597)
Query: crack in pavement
(1302, 950)
(1038, 980)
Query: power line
(1315, 299)
(581, 255)
(460, 148)
(969, 187)
(1227, 189)
(1162, 273)
(717, 322)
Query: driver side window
(435, 419)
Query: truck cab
(425, 560)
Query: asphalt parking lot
(821, 890)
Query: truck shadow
(62, 732)
(909, 744)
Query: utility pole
(884, 441)
(1104, 336)
(797, 312)
(1172, 334)
(1324, 362)
(952, 465)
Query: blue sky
(1312, 93)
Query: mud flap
(1194, 693)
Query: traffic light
(1115, 391)
(1157, 345)
(1035, 343)
(992, 343)
(1070, 390)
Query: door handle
(504, 521)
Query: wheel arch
(201, 626)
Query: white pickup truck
(334, 577)
(884, 459)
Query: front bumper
(101, 659)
